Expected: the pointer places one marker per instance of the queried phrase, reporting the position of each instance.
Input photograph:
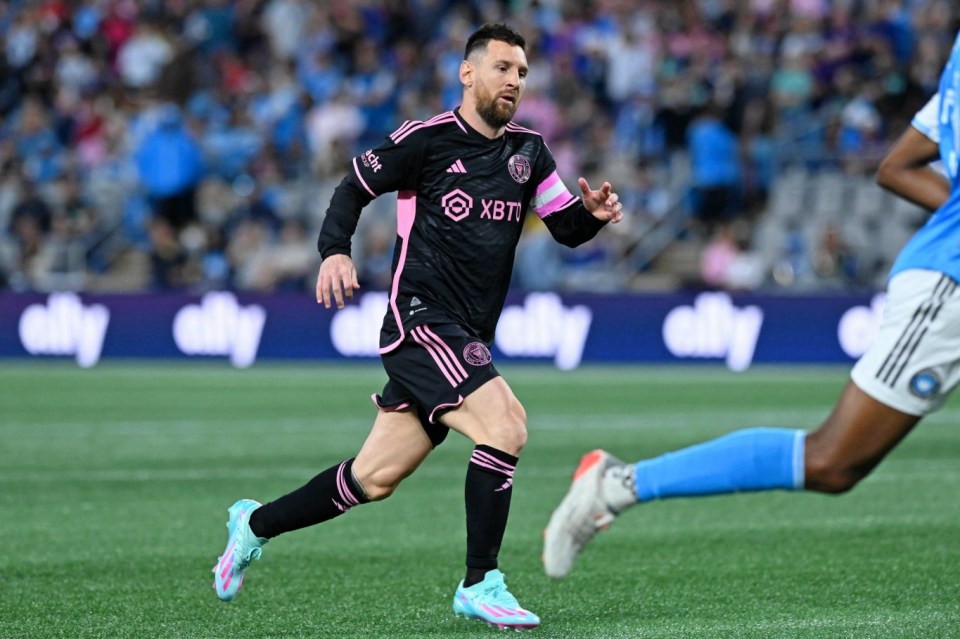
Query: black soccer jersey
(462, 199)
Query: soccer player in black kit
(465, 180)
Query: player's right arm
(389, 167)
(337, 276)
(906, 170)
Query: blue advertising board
(567, 330)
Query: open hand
(603, 204)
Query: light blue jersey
(936, 246)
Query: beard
(493, 112)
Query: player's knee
(518, 426)
(517, 439)
(827, 474)
(379, 492)
(508, 432)
(834, 483)
(380, 484)
(518, 422)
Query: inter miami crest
(476, 354)
(519, 168)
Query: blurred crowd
(194, 144)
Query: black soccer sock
(329, 494)
(488, 488)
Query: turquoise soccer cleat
(490, 601)
(243, 547)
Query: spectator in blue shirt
(170, 164)
(715, 160)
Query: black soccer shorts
(433, 369)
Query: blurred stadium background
(742, 136)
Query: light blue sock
(746, 460)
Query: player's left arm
(571, 220)
(603, 203)
(578, 220)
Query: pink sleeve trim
(356, 170)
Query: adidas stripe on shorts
(914, 362)
(434, 369)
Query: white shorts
(914, 362)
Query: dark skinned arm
(906, 172)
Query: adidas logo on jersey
(415, 301)
(457, 167)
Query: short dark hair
(500, 32)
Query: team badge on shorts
(925, 384)
(519, 168)
(476, 354)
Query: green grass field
(114, 485)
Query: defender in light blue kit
(912, 366)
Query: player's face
(501, 75)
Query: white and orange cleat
(586, 509)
